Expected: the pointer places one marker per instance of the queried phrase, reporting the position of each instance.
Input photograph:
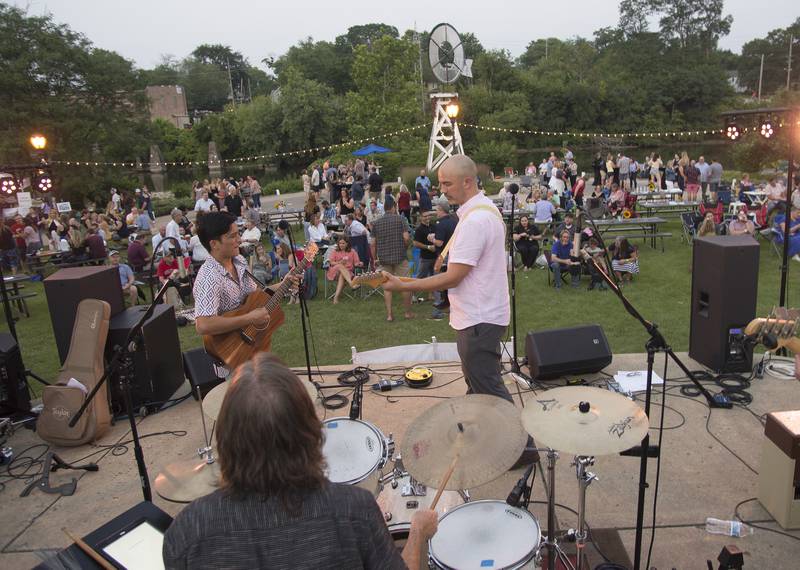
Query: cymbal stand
(206, 452)
(585, 479)
(553, 549)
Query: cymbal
(212, 402)
(185, 481)
(491, 441)
(610, 423)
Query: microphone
(515, 495)
(513, 188)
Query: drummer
(275, 508)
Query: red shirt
(16, 228)
(164, 268)
(404, 201)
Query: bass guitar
(779, 330)
(240, 345)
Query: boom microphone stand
(284, 225)
(657, 343)
(122, 362)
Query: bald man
(476, 281)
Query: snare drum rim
(515, 565)
(382, 458)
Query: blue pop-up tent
(371, 149)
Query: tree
(325, 62)
(366, 35)
(207, 86)
(775, 47)
(495, 70)
(385, 95)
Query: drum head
(485, 534)
(399, 533)
(353, 449)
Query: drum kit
(457, 445)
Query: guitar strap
(487, 207)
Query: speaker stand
(656, 343)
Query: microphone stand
(515, 367)
(596, 233)
(656, 343)
(122, 362)
(304, 314)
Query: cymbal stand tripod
(206, 452)
(585, 479)
(550, 542)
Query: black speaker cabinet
(574, 350)
(67, 287)
(724, 292)
(199, 369)
(158, 370)
(14, 397)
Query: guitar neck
(284, 287)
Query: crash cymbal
(212, 403)
(584, 421)
(185, 481)
(491, 441)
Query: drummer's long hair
(268, 435)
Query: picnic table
(644, 227)
(292, 215)
(15, 294)
(666, 207)
(757, 197)
(657, 193)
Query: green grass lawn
(661, 292)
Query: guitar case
(84, 363)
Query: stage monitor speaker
(199, 369)
(724, 292)
(14, 396)
(67, 287)
(574, 350)
(158, 371)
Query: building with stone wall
(168, 102)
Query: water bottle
(728, 528)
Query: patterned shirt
(389, 243)
(215, 291)
(338, 526)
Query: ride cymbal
(581, 420)
(185, 481)
(212, 403)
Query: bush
(287, 185)
(496, 155)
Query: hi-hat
(212, 402)
(488, 442)
(584, 421)
(185, 481)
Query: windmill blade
(446, 53)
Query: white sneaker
(796, 257)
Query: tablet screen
(139, 548)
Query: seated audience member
(328, 212)
(562, 259)
(262, 264)
(794, 232)
(317, 232)
(568, 225)
(592, 252)
(137, 253)
(624, 260)
(125, 277)
(526, 239)
(616, 202)
(169, 268)
(745, 185)
(251, 235)
(275, 508)
(707, 227)
(776, 196)
(741, 225)
(95, 245)
(160, 245)
(342, 264)
(543, 211)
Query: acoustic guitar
(777, 331)
(240, 345)
(375, 279)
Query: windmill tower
(446, 56)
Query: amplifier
(574, 350)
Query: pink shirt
(479, 241)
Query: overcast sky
(147, 29)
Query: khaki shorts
(398, 269)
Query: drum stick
(445, 479)
(88, 550)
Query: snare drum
(355, 452)
(485, 534)
(400, 501)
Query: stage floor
(699, 477)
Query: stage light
(38, 142)
(766, 129)
(8, 186)
(43, 182)
(452, 109)
(732, 132)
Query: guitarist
(477, 282)
(222, 283)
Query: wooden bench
(649, 235)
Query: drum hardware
(585, 479)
